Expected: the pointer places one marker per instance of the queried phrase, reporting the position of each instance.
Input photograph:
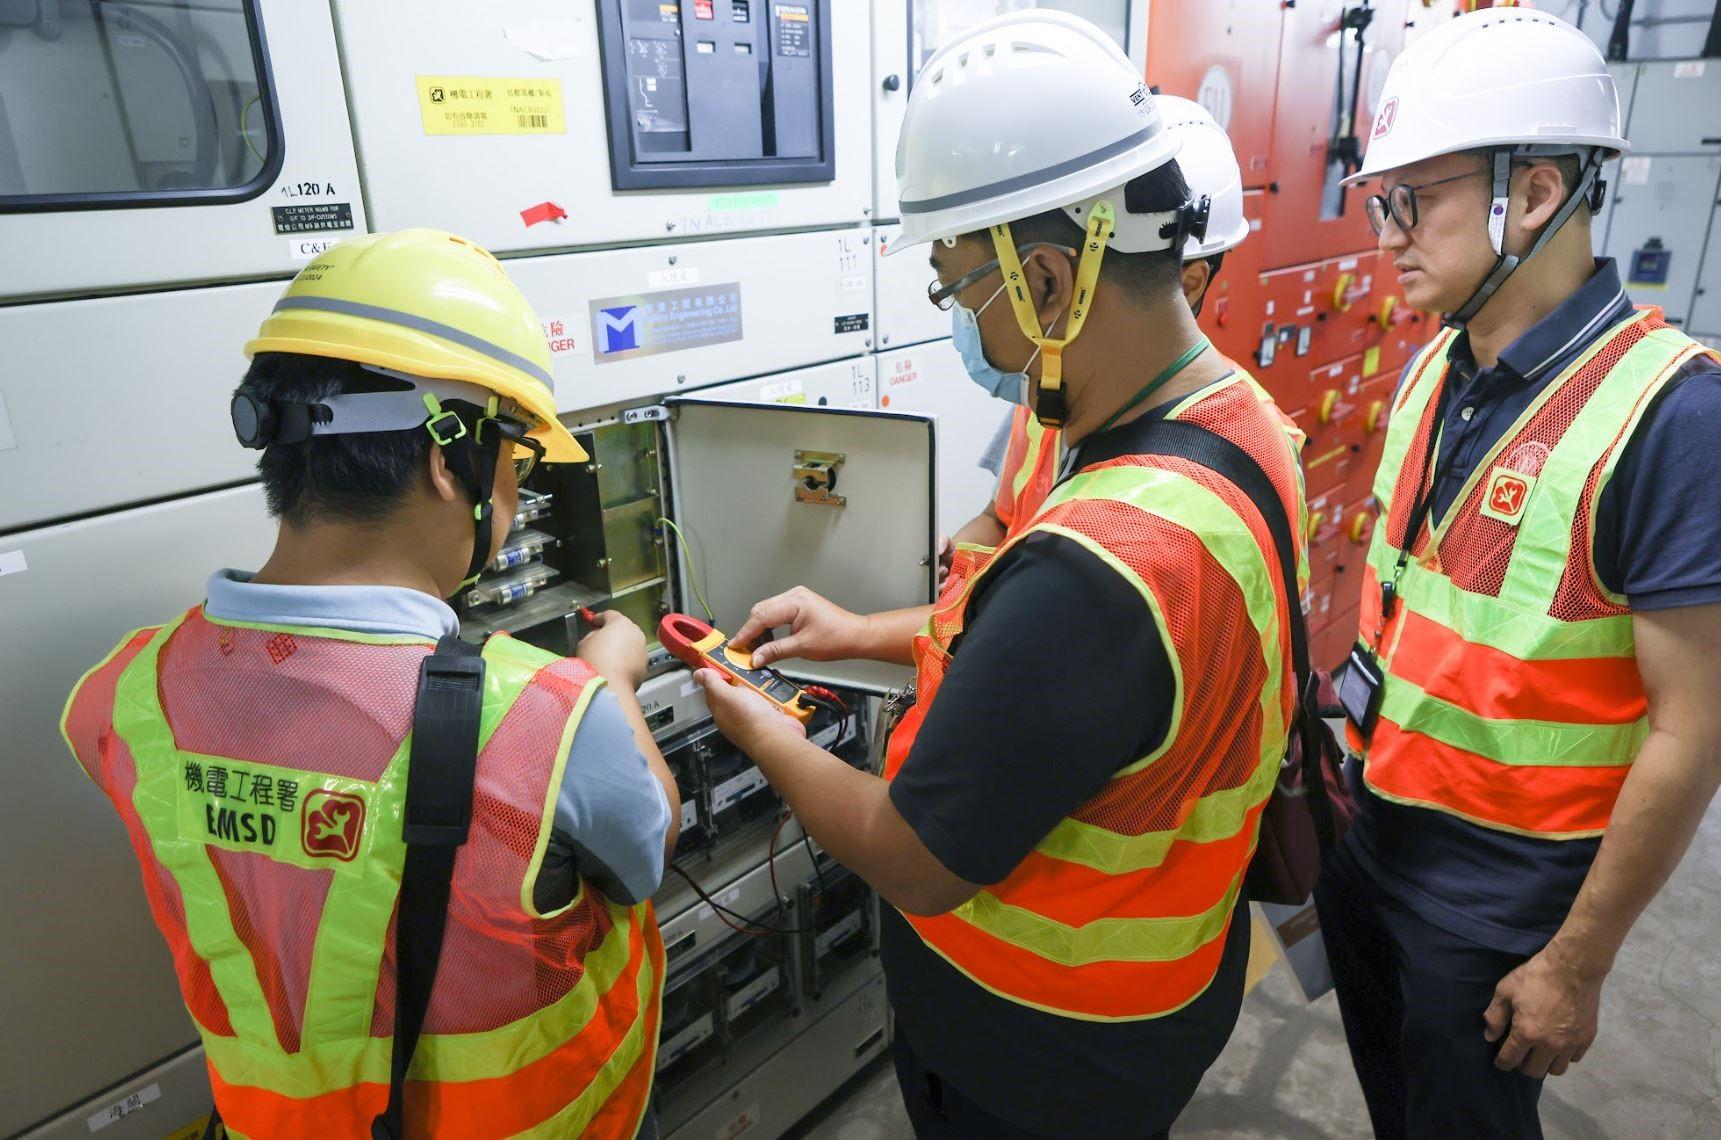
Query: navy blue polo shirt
(1657, 541)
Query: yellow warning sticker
(1371, 361)
(487, 105)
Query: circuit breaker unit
(781, 945)
(772, 991)
(717, 92)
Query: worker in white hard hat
(1532, 696)
(1069, 805)
(1025, 456)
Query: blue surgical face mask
(965, 332)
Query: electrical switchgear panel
(698, 506)
(144, 144)
(717, 92)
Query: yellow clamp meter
(698, 646)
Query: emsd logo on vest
(251, 807)
(1506, 495)
(332, 825)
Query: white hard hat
(1501, 77)
(1029, 112)
(1210, 166)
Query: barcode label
(538, 121)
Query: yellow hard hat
(424, 303)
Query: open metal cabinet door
(755, 528)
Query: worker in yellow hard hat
(355, 881)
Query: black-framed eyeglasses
(1399, 203)
(944, 296)
(515, 432)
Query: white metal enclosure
(154, 142)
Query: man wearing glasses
(1531, 700)
(1023, 454)
(257, 749)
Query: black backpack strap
(1185, 440)
(439, 775)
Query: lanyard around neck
(1158, 382)
(1428, 477)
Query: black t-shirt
(1061, 678)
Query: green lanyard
(1158, 382)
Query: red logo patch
(1507, 495)
(1383, 121)
(281, 646)
(332, 825)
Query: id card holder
(1359, 686)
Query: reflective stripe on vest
(1118, 915)
(579, 1061)
(1512, 697)
(1030, 468)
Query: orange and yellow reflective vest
(1511, 694)
(260, 772)
(1030, 468)
(1033, 456)
(1121, 911)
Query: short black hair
(362, 477)
(1570, 166)
(1571, 172)
(1146, 276)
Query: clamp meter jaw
(698, 646)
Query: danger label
(561, 335)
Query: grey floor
(1654, 1073)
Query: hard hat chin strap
(474, 464)
(1051, 399)
(1506, 264)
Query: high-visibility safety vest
(260, 772)
(1034, 454)
(1121, 911)
(1511, 694)
(1030, 468)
